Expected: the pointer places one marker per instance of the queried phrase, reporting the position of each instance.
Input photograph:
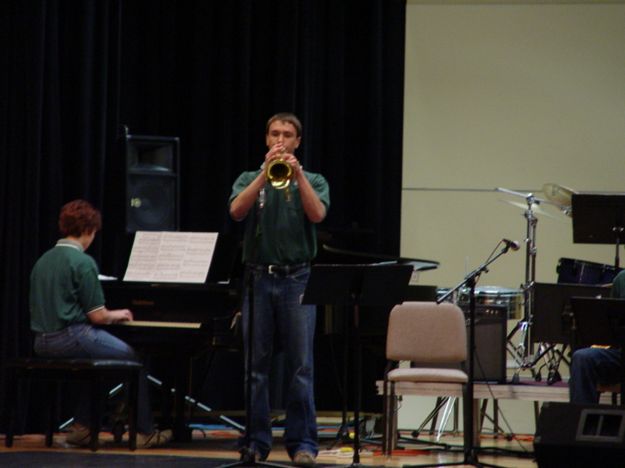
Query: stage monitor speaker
(572, 435)
(490, 343)
(152, 183)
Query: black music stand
(600, 321)
(355, 286)
(552, 316)
(599, 218)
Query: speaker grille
(151, 203)
(152, 183)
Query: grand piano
(176, 324)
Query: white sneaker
(304, 459)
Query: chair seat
(424, 374)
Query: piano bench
(52, 371)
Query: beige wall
(510, 95)
(513, 95)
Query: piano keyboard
(151, 323)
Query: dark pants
(590, 367)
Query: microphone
(511, 244)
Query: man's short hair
(285, 117)
(78, 217)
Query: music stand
(600, 321)
(355, 286)
(552, 313)
(599, 218)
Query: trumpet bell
(279, 174)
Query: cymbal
(527, 196)
(535, 209)
(513, 192)
(558, 194)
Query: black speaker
(152, 183)
(570, 435)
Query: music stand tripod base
(355, 286)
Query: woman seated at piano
(66, 301)
(596, 365)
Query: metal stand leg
(433, 417)
(497, 430)
(449, 406)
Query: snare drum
(512, 299)
(575, 271)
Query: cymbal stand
(520, 352)
(523, 353)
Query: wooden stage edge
(527, 390)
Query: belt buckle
(272, 269)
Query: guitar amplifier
(490, 343)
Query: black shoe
(249, 455)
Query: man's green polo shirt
(64, 287)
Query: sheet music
(171, 257)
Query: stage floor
(214, 446)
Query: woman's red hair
(79, 217)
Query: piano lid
(352, 257)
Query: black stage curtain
(75, 72)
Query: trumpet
(279, 173)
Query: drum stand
(522, 352)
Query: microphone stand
(342, 434)
(470, 280)
(248, 454)
(618, 231)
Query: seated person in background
(66, 301)
(596, 365)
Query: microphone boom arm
(475, 274)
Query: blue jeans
(86, 341)
(589, 367)
(279, 314)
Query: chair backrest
(427, 333)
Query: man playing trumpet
(280, 241)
